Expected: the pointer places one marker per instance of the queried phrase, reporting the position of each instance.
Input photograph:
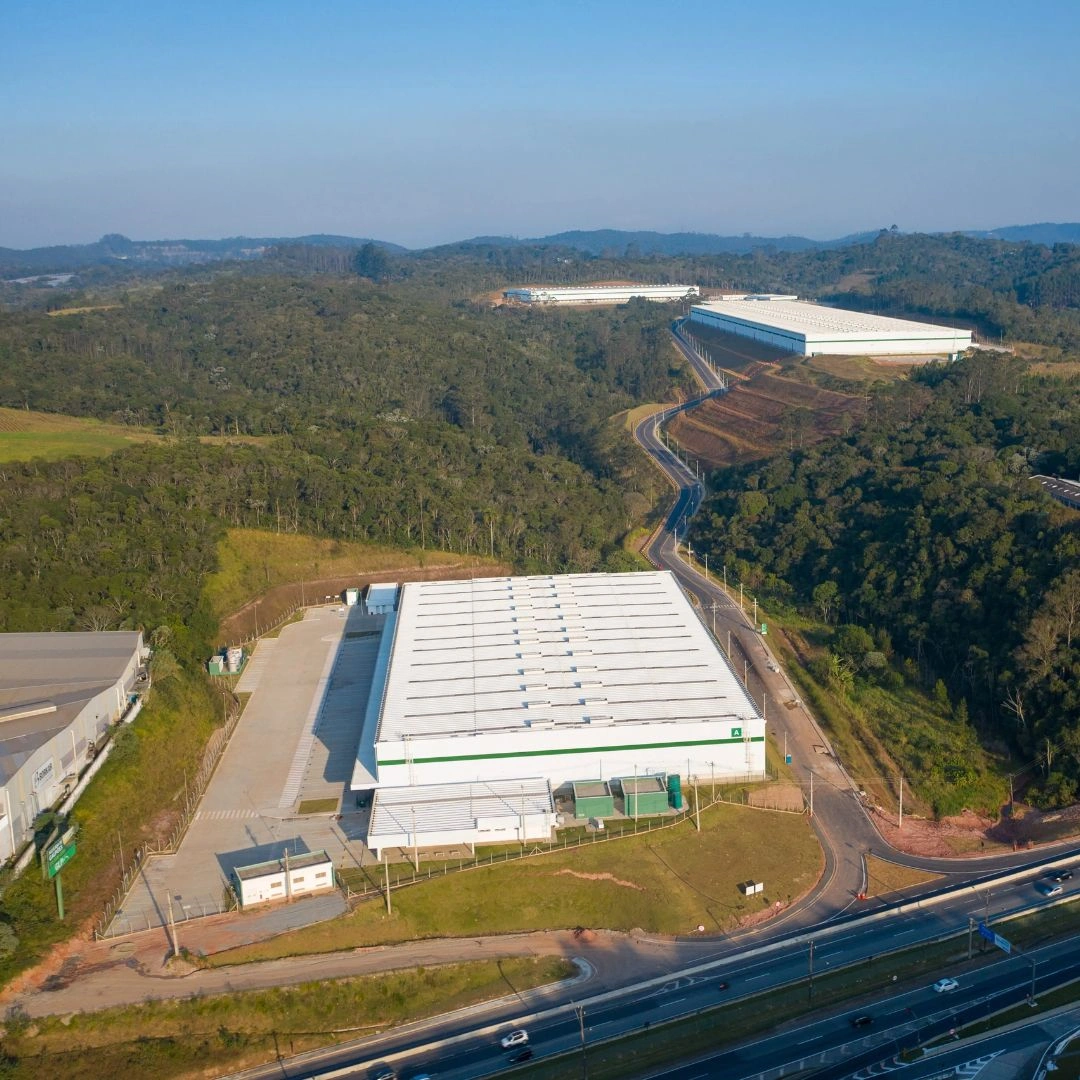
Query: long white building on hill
(599, 294)
(810, 329)
(489, 692)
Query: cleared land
(25, 435)
(664, 882)
(235, 1031)
(282, 570)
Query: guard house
(284, 878)
(381, 599)
(644, 796)
(593, 799)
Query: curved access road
(842, 823)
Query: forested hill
(363, 412)
(923, 529)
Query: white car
(944, 986)
(515, 1038)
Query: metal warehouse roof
(557, 651)
(45, 681)
(429, 808)
(817, 322)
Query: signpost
(995, 939)
(58, 854)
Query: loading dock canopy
(441, 815)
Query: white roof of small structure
(557, 651)
(816, 322)
(382, 592)
(448, 807)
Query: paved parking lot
(296, 741)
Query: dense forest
(922, 540)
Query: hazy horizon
(443, 124)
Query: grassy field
(235, 1031)
(885, 877)
(25, 435)
(666, 882)
(254, 560)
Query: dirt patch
(601, 877)
(970, 834)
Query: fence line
(399, 880)
(215, 747)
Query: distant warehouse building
(490, 694)
(600, 294)
(59, 693)
(810, 329)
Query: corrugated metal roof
(825, 323)
(438, 807)
(64, 670)
(506, 654)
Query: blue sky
(428, 122)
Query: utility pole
(707, 571)
(811, 793)
(741, 608)
(581, 1025)
(811, 979)
(971, 928)
(755, 611)
(172, 928)
(725, 577)
(901, 819)
(386, 873)
(729, 645)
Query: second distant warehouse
(807, 329)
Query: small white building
(381, 598)
(808, 329)
(284, 878)
(449, 815)
(599, 294)
(352, 597)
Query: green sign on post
(60, 859)
(764, 629)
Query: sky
(424, 123)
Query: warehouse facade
(514, 681)
(59, 694)
(808, 329)
(599, 294)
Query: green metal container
(674, 786)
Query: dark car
(862, 1020)
(520, 1055)
(722, 986)
(1061, 875)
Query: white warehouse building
(516, 685)
(599, 294)
(59, 695)
(811, 329)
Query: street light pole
(581, 1025)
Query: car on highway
(1061, 875)
(862, 1020)
(520, 1056)
(516, 1038)
(722, 985)
(1048, 888)
(384, 1074)
(944, 986)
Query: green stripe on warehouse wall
(570, 750)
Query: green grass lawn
(667, 882)
(208, 1036)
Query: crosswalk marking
(224, 815)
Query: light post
(580, 1009)
(707, 578)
